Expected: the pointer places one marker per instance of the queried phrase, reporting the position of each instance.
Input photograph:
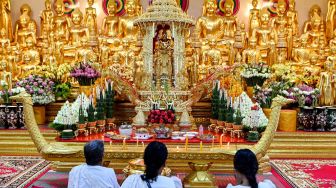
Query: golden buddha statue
(229, 21)
(127, 53)
(47, 16)
(139, 72)
(240, 38)
(77, 32)
(302, 54)
(265, 36)
(110, 22)
(126, 26)
(85, 53)
(90, 20)
(60, 22)
(212, 56)
(314, 10)
(254, 17)
(30, 57)
(5, 18)
(209, 25)
(314, 34)
(4, 40)
(251, 55)
(26, 9)
(192, 61)
(104, 54)
(292, 16)
(23, 31)
(330, 18)
(327, 83)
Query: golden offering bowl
(137, 166)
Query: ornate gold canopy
(164, 11)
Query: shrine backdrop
(195, 8)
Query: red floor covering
(306, 173)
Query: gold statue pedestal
(199, 177)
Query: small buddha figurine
(192, 61)
(251, 55)
(302, 54)
(90, 20)
(126, 27)
(22, 30)
(331, 18)
(60, 22)
(254, 17)
(139, 72)
(240, 38)
(127, 53)
(265, 36)
(209, 25)
(292, 16)
(326, 85)
(229, 21)
(5, 18)
(85, 53)
(212, 56)
(110, 22)
(314, 10)
(47, 16)
(77, 32)
(104, 53)
(4, 40)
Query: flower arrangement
(40, 88)
(85, 74)
(6, 93)
(161, 116)
(255, 74)
(283, 72)
(65, 118)
(305, 95)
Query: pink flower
(40, 91)
(35, 84)
(31, 91)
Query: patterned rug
(21, 171)
(307, 173)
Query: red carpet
(21, 171)
(307, 173)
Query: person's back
(92, 174)
(161, 182)
(264, 184)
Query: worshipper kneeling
(155, 157)
(246, 168)
(93, 174)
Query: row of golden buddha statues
(215, 40)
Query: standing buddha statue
(209, 25)
(330, 18)
(60, 22)
(126, 26)
(5, 18)
(254, 17)
(90, 21)
(265, 36)
(110, 22)
(240, 38)
(46, 18)
(229, 20)
(314, 10)
(4, 40)
(292, 16)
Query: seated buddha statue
(212, 56)
(4, 41)
(229, 20)
(60, 22)
(23, 31)
(85, 53)
(314, 10)
(110, 22)
(77, 32)
(209, 25)
(251, 55)
(30, 56)
(47, 16)
(90, 21)
(265, 36)
(254, 17)
(126, 27)
(314, 34)
(241, 36)
(31, 25)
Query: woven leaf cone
(164, 11)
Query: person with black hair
(93, 174)
(155, 157)
(246, 168)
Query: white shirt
(135, 181)
(86, 176)
(264, 184)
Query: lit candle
(143, 145)
(201, 146)
(137, 140)
(111, 144)
(213, 141)
(221, 140)
(228, 145)
(103, 138)
(177, 149)
(186, 143)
